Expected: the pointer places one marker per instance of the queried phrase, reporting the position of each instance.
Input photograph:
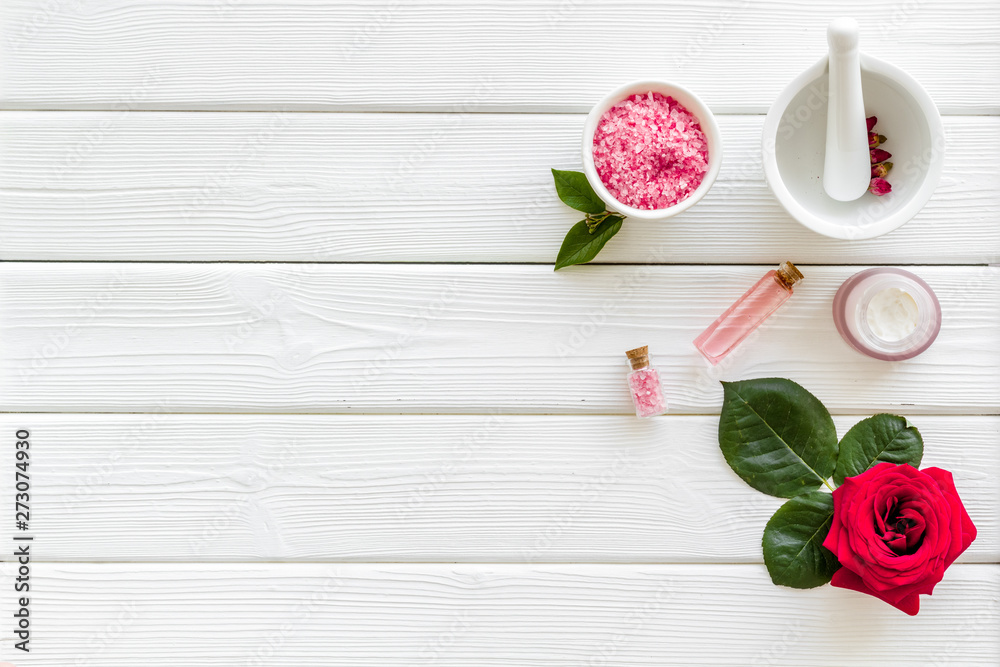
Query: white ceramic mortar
(794, 142)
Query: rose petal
(844, 578)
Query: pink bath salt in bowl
(650, 152)
(658, 148)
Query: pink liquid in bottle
(748, 313)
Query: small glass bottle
(644, 382)
(748, 313)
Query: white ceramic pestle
(847, 165)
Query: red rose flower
(896, 530)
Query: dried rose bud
(879, 187)
(881, 170)
(879, 155)
(875, 139)
(871, 120)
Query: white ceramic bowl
(691, 102)
(794, 143)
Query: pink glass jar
(915, 326)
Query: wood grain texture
(305, 615)
(197, 488)
(506, 497)
(449, 55)
(414, 187)
(352, 338)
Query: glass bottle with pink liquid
(748, 313)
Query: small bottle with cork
(749, 312)
(644, 383)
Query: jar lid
(639, 357)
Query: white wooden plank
(490, 488)
(303, 615)
(352, 338)
(560, 55)
(413, 187)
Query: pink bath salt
(650, 151)
(647, 393)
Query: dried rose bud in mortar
(881, 170)
(879, 155)
(879, 187)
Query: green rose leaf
(877, 439)
(777, 436)
(793, 542)
(581, 246)
(574, 190)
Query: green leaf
(574, 190)
(777, 436)
(877, 439)
(793, 542)
(581, 246)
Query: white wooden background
(277, 307)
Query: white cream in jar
(893, 314)
(887, 313)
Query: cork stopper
(639, 357)
(787, 274)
